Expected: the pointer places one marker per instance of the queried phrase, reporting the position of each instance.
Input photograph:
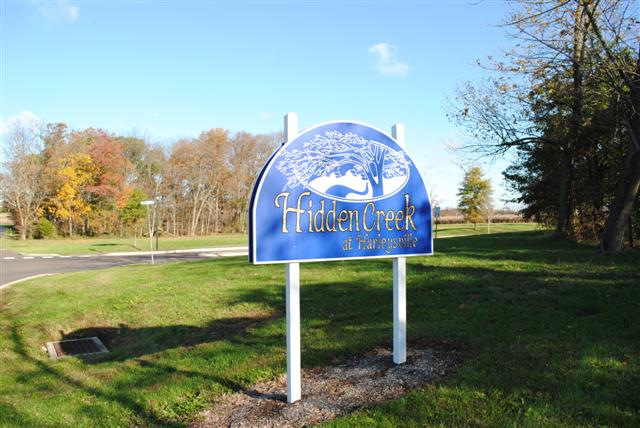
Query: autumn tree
(108, 182)
(70, 202)
(474, 196)
(89, 181)
(197, 164)
(22, 182)
(247, 154)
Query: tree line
(91, 182)
(565, 102)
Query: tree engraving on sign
(345, 166)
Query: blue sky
(173, 69)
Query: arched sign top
(339, 190)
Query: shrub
(44, 229)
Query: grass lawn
(109, 245)
(555, 326)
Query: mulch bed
(336, 390)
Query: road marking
(234, 254)
(27, 258)
(9, 258)
(23, 279)
(47, 257)
(84, 256)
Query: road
(14, 267)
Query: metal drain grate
(74, 347)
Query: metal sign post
(147, 203)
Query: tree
(547, 69)
(337, 153)
(22, 186)
(474, 196)
(69, 203)
(564, 100)
(614, 32)
(198, 163)
(131, 209)
(247, 154)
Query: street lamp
(147, 203)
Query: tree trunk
(22, 227)
(564, 196)
(217, 224)
(612, 238)
(631, 232)
(566, 180)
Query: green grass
(555, 326)
(109, 245)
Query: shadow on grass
(125, 343)
(121, 397)
(129, 344)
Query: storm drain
(76, 347)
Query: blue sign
(339, 190)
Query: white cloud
(57, 10)
(386, 62)
(25, 119)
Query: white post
(150, 237)
(399, 285)
(294, 386)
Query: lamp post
(147, 203)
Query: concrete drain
(76, 347)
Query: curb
(3, 286)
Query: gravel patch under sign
(333, 391)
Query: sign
(437, 211)
(339, 190)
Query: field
(108, 245)
(555, 329)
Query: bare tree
(23, 191)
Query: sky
(169, 69)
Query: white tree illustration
(337, 153)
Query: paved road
(14, 266)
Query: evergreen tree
(474, 196)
